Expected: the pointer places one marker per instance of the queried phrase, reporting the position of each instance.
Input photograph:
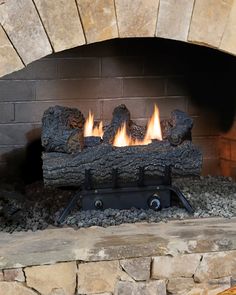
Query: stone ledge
(115, 243)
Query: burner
(146, 193)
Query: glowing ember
(90, 129)
(153, 132)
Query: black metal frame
(145, 193)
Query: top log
(62, 130)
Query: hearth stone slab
(117, 242)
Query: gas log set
(121, 165)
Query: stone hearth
(179, 257)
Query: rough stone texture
(47, 278)
(208, 21)
(22, 24)
(150, 288)
(9, 59)
(99, 19)
(62, 23)
(177, 266)
(15, 274)
(216, 265)
(137, 268)
(136, 18)
(99, 277)
(57, 291)
(228, 42)
(180, 285)
(174, 19)
(14, 288)
(1, 275)
(117, 242)
(230, 291)
(212, 287)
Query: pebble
(209, 196)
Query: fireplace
(66, 229)
(136, 72)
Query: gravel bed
(37, 208)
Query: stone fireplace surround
(74, 261)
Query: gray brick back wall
(98, 77)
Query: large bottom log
(69, 170)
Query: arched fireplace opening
(137, 72)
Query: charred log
(120, 116)
(69, 170)
(177, 128)
(62, 130)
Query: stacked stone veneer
(195, 274)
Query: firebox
(110, 89)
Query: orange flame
(153, 132)
(90, 129)
(154, 126)
(121, 137)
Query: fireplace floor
(38, 208)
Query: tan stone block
(22, 24)
(177, 266)
(46, 278)
(9, 58)
(14, 274)
(62, 23)
(57, 291)
(174, 19)
(141, 288)
(14, 288)
(180, 285)
(216, 265)
(98, 277)
(99, 19)
(228, 42)
(212, 287)
(208, 21)
(137, 268)
(136, 18)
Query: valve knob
(98, 204)
(154, 202)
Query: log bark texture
(120, 116)
(178, 128)
(69, 170)
(62, 130)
